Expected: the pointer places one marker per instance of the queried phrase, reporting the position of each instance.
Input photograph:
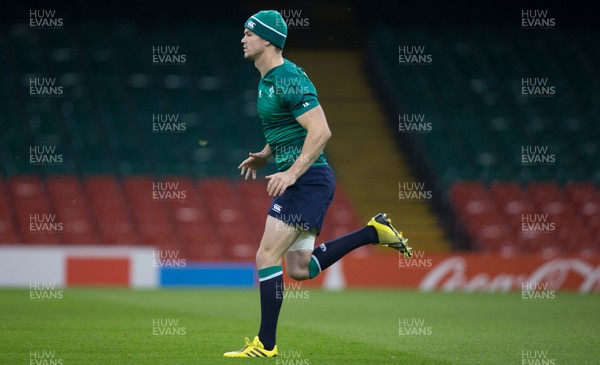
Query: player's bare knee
(297, 273)
(266, 258)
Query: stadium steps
(363, 151)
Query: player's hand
(279, 182)
(253, 163)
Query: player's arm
(255, 161)
(267, 150)
(318, 134)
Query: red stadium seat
(218, 188)
(205, 252)
(215, 220)
(198, 234)
(487, 227)
(8, 227)
(581, 192)
(542, 192)
(471, 199)
(593, 221)
(110, 209)
(149, 205)
(73, 209)
(255, 204)
(33, 206)
(192, 222)
(467, 190)
(508, 195)
(231, 221)
(589, 208)
(341, 212)
(239, 243)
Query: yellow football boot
(388, 235)
(252, 349)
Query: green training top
(285, 93)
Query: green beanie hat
(269, 25)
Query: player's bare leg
(296, 264)
(281, 239)
(303, 264)
(277, 238)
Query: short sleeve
(299, 98)
(303, 104)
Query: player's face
(252, 45)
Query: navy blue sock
(330, 252)
(271, 298)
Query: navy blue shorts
(304, 204)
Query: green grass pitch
(119, 326)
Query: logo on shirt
(260, 93)
(271, 91)
(305, 104)
(277, 208)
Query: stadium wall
(138, 267)
(473, 272)
(78, 266)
